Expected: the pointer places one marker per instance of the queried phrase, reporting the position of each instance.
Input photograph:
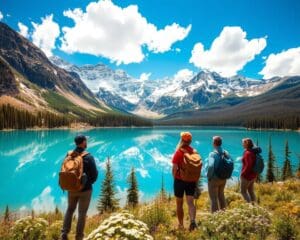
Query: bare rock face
(8, 84)
(33, 64)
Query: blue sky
(274, 26)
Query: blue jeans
(83, 200)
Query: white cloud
(23, 30)
(162, 40)
(44, 201)
(183, 75)
(160, 158)
(143, 172)
(34, 154)
(229, 52)
(121, 194)
(149, 138)
(145, 76)
(119, 34)
(44, 34)
(1, 16)
(285, 63)
(130, 152)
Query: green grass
(160, 215)
(63, 105)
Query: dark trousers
(216, 193)
(83, 200)
(247, 189)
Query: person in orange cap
(180, 186)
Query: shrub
(54, 230)
(5, 231)
(285, 196)
(265, 189)
(292, 185)
(291, 208)
(29, 228)
(155, 214)
(240, 223)
(285, 227)
(121, 226)
(232, 197)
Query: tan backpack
(71, 171)
(191, 166)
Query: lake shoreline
(89, 127)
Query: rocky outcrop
(8, 84)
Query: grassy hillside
(277, 216)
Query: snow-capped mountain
(157, 98)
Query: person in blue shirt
(216, 185)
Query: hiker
(79, 192)
(219, 168)
(186, 172)
(248, 175)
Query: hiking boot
(193, 226)
(180, 227)
(63, 237)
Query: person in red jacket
(248, 176)
(180, 186)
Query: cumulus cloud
(229, 52)
(178, 50)
(145, 76)
(183, 75)
(285, 63)
(1, 16)
(45, 34)
(44, 201)
(119, 34)
(23, 30)
(143, 172)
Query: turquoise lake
(30, 160)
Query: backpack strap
(186, 151)
(70, 153)
(224, 153)
(84, 153)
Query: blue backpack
(224, 168)
(259, 164)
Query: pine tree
(298, 170)
(132, 192)
(163, 193)
(56, 210)
(271, 161)
(258, 179)
(107, 200)
(287, 169)
(169, 197)
(6, 215)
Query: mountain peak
(35, 75)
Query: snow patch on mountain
(157, 98)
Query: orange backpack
(191, 166)
(71, 171)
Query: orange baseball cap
(186, 136)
